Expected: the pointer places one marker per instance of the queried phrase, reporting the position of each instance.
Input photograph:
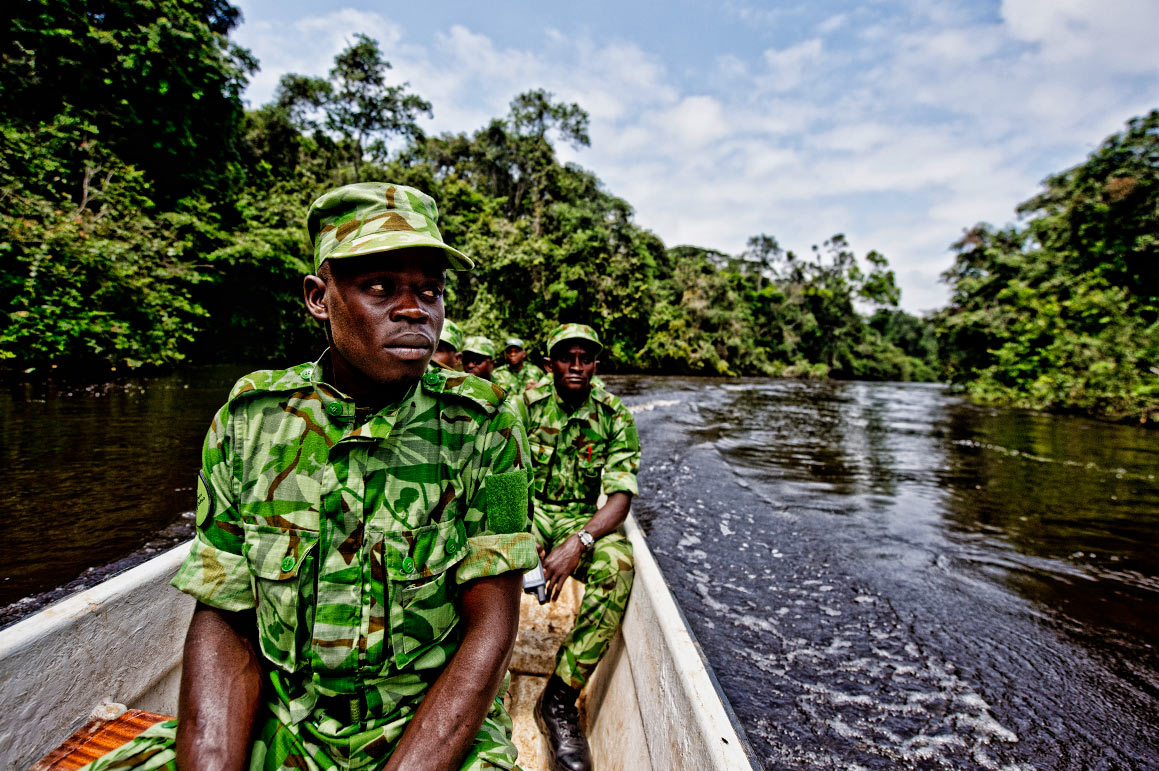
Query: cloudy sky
(896, 122)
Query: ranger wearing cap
(518, 374)
(479, 356)
(583, 443)
(361, 531)
(448, 353)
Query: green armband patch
(507, 502)
(204, 499)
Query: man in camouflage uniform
(361, 531)
(583, 442)
(479, 357)
(448, 353)
(523, 374)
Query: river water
(881, 575)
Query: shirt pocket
(540, 451)
(420, 590)
(282, 562)
(590, 471)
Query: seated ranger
(361, 532)
(448, 352)
(583, 442)
(523, 374)
(479, 357)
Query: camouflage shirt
(505, 379)
(577, 455)
(351, 537)
(529, 375)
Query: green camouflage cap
(480, 345)
(371, 217)
(513, 342)
(452, 335)
(573, 332)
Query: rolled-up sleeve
(216, 572)
(623, 454)
(498, 520)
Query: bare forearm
(564, 558)
(446, 723)
(221, 681)
(610, 516)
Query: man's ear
(314, 290)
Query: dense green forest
(1061, 312)
(149, 218)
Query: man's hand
(562, 560)
(560, 564)
(221, 685)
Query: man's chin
(404, 371)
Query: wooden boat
(68, 673)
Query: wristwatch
(586, 539)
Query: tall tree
(356, 103)
(1063, 312)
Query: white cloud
(787, 67)
(1117, 34)
(833, 23)
(306, 46)
(899, 125)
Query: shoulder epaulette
(537, 394)
(270, 380)
(475, 389)
(607, 398)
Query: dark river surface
(881, 575)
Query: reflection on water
(93, 474)
(883, 574)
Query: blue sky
(896, 122)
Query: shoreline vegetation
(150, 221)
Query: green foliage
(159, 83)
(358, 107)
(101, 282)
(1063, 312)
(111, 261)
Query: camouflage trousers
(279, 747)
(606, 570)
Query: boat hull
(651, 703)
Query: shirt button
(431, 379)
(334, 408)
(366, 587)
(366, 599)
(287, 564)
(408, 565)
(451, 547)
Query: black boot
(558, 718)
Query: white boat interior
(119, 645)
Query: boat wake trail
(846, 641)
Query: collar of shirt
(341, 409)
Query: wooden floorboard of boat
(96, 738)
(541, 630)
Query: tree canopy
(151, 220)
(1061, 312)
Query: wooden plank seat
(97, 737)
